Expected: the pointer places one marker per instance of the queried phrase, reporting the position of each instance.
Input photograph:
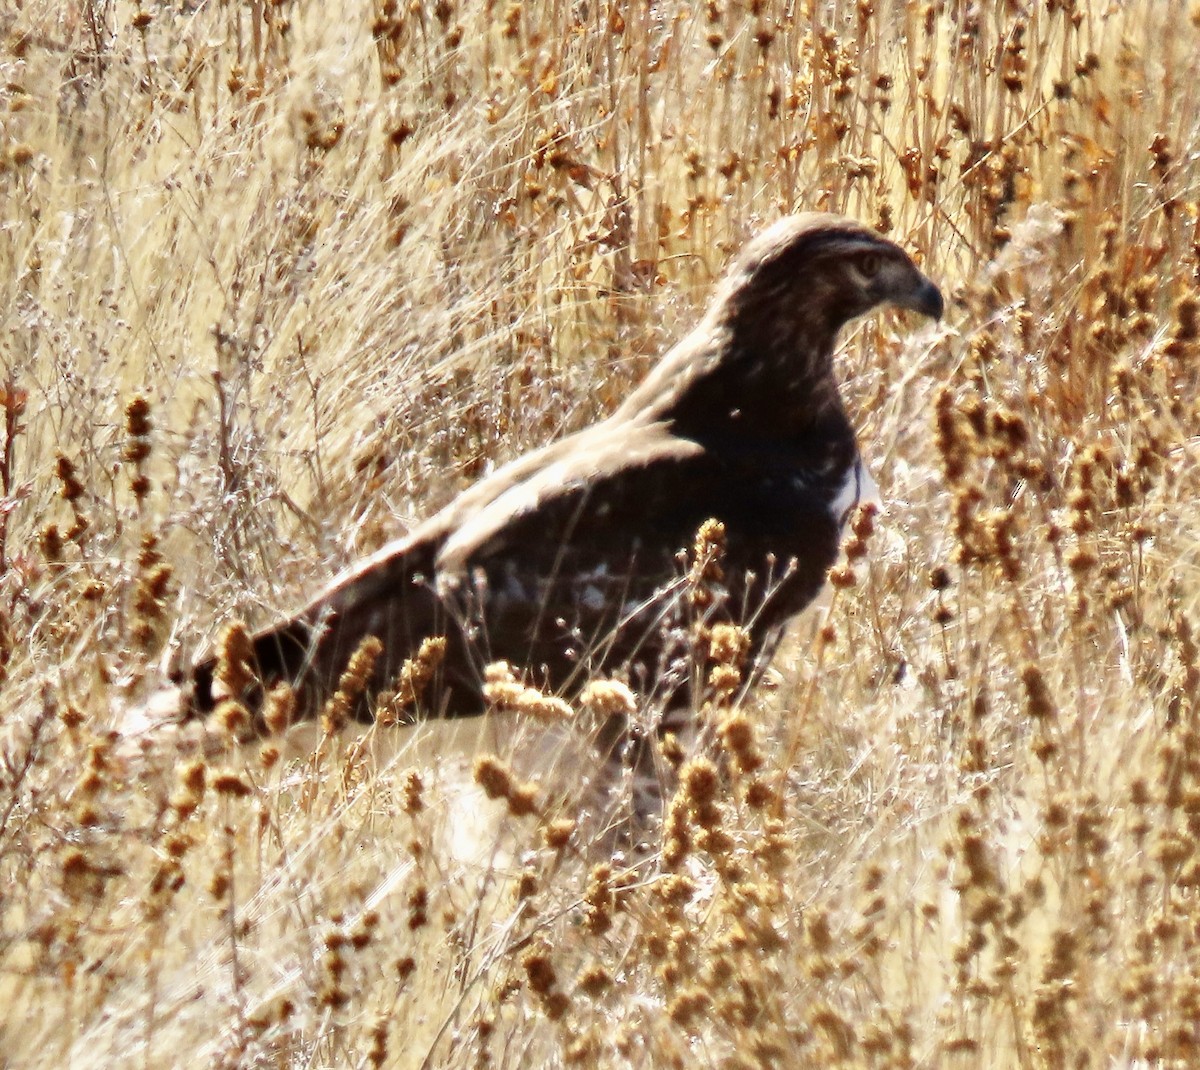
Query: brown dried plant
(279, 278)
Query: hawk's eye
(868, 264)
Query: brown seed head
(416, 674)
(279, 708)
(607, 697)
(1039, 703)
(232, 784)
(235, 658)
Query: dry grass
(278, 279)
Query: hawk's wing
(566, 560)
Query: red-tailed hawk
(567, 562)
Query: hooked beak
(924, 298)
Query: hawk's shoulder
(570, 475)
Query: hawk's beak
(924, 298)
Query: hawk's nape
(566, 563)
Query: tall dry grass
(279, 278)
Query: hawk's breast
(857, 488)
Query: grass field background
(278, 279)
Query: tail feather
(392, 600)
(280, 655)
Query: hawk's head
(824, 269)
(761, 359)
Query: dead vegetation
(279, 279)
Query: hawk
(567, 562)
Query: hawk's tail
(346, 647)
(287, 654)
